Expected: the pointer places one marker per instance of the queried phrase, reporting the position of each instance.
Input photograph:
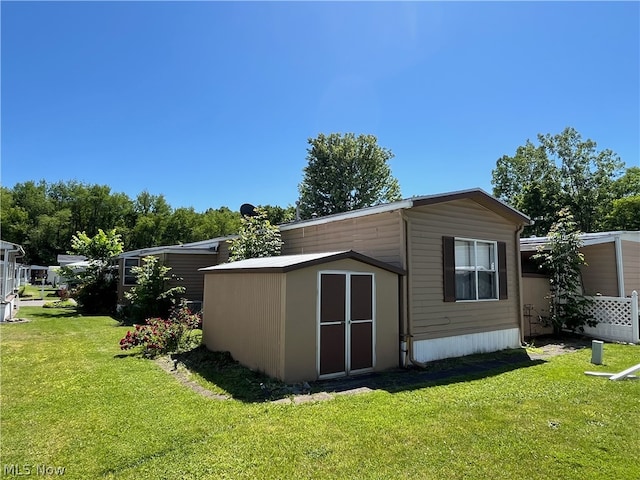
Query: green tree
(625, 214)
(278, 215)
(562, 171)
(181, 226)
(97, 284)
(561, 257)
(257, 238)
(628, 185)
(345, 172)
(217, 223)
(152, 296)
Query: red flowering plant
(160, 336)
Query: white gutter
(363, 212)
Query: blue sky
(212, 103)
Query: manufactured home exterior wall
(429, 315)
(600, 275)
(122, 289)
(244, 314)
(183, 265)
(186, 266)
(301, 339)
(378, 236)
(534, 290)
(631, 266)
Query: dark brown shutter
(502, 269)
(449, 269)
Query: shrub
(160, 336)
(151, 296)
(59, 304)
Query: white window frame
(127, 268)
(475, 269)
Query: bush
(59, 304)
(160, 336)
(99, 296)
(151, 296)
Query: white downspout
(619, 266)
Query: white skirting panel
(461, 345)
(612, 333)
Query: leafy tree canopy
(257, 238)
(97, 284)
(563, 170)
(101, 247)
(43, 218)
(345, 172)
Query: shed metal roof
(286, 263)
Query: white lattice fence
(617, 318)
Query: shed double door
(346, 323)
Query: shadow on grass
(127, 355)
(245, 385)
(58, 312)
(443, 372)
(239, 382)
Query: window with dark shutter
(473, 269)
(449, 268)
(502, 269)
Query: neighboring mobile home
(460, 293)
(184, 261)
(9, 278)
(612, 270)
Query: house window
(128, 278)
(474, 270)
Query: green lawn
(70, 398)
(35, 291)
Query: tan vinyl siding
(186, 266)
(378, 236)
(243, 314)
(535, 292)
(631, 266)
(600, 275)
(430, 316)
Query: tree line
(43, 217)
(343, 172)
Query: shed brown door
(346, 324)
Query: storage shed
(305, 317)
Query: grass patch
(71, 398)
(32, 292)
(60, 304)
